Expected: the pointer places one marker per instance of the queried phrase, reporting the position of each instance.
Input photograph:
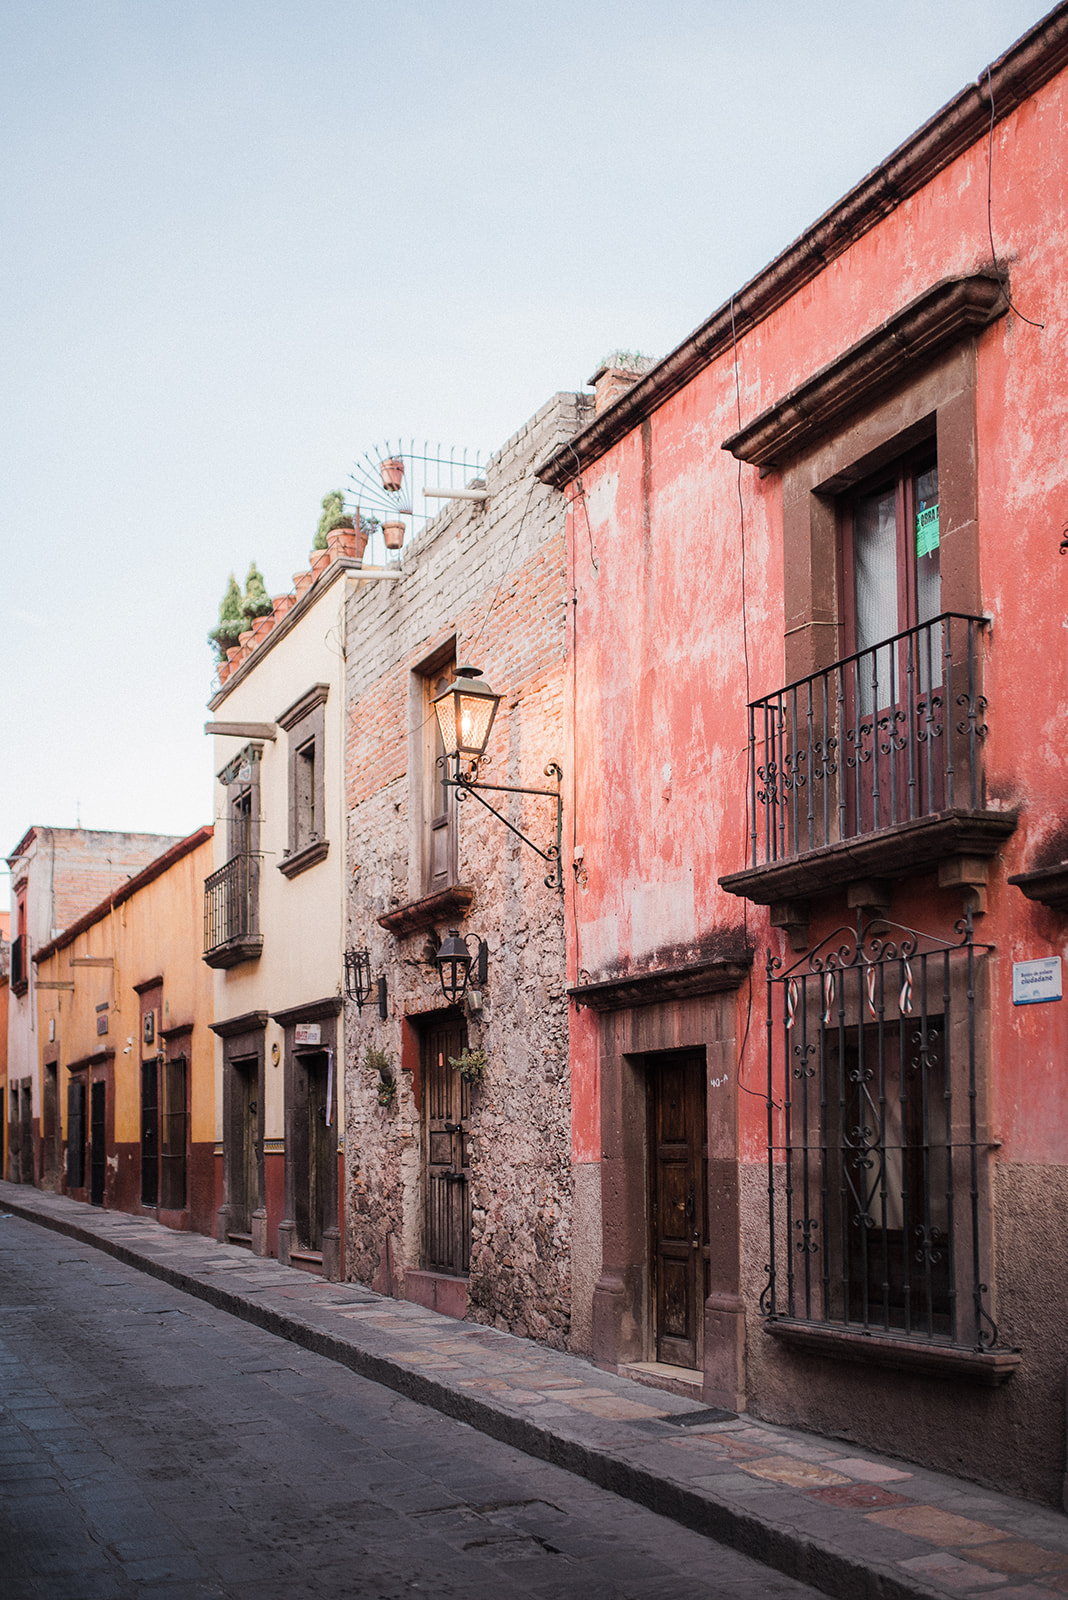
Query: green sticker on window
(927, 530)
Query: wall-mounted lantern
(454, 962)
(465, 713)
(359, 985)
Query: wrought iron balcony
(231, 912)
(886, 742)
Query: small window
(305, 723)
(438, 800)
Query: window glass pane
(875, 560)
(875, 565)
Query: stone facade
(483, 584)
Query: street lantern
(358, 976)
(454, 961)
(465, 713)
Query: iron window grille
(884, 736)
(876, 1137)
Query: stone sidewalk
(849, 1522)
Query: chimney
(617, 373)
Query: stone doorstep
(784, 1536)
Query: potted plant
(335, 519)
(376, 1060)
(392, 470)
(470, 1064)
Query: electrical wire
(990, 207)
(745, 656)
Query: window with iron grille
(877, 1146)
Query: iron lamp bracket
(467, 784)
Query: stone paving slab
(855, 1525)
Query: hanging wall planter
(392, 469)
(470, 1064)
(393, 534)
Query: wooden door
(313, 1148)
(149, 1133)
(446, 1114)
(26, 1135)
(678, 1206)
(97, 1142)
(50, 1126)
(244, 1187)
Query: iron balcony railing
(231, 898)
(884, 736)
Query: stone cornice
(248, 1022)
(1018, 74)
(447, 904)
(312, 1011)
(947, 312)
(665, 983)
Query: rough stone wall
(1011, 1438)
(493, 579)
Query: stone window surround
(229, 777)
(305, 723)
(911, 381)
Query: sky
(243, 242)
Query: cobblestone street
(154, 1446)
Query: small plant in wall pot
(376, 1060)
(470, 1064)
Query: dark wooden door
(50, 1127)
(316, 1138)
(678, 1174)
(149, 1133)
(97, 1142)
(26, 1135)
(242, 1131)
(76, 1134)
(446, 1112)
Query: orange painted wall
(155, 932)
(665, 660)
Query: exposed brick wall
(72, 869)
(494, 578)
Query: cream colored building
(274, 921)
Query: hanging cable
(990, 207)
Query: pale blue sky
(243, 241)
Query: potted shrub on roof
(232, 622)
(257, 602)
(335, 519)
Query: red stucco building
(819, 896)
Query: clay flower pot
(393, 534)
(341, 542)
(392, 469)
